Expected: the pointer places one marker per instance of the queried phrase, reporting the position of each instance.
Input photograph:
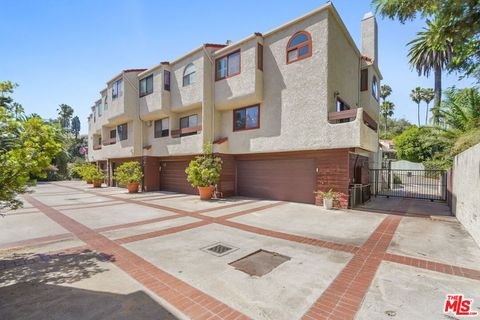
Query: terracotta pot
(205, 192)
(97, 183)
(132, 187)
(89, 181)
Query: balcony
(351, 115)
(354, 128)
(244, 88)
(109, 141)
(186, 131)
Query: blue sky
(63, 51)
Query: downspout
(141, 133)
(212, 89)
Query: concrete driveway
(74, 252)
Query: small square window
(122, 132)
(246, 118)
(161, 128)
(146, 85)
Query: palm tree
(385, 91)
(416, 96)
(65, 113)
(427, 96)
(432, 50)
(386, 109)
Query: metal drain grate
(219, 249)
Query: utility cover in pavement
(259, 263)
(219, 249)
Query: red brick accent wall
(333, 170)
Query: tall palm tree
(416, 96)
(385, 91)
(432, 50)
(427, 96)
(386, 109)
(65, 113)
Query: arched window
(299, 47)
(375, 87)
(189, 75)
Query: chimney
(370, 37)
(229, 42)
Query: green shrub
(205, 169)
(437, 167)
(129, 172)
(92, 172)
(397, 180)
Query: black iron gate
(418, 184)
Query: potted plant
(129, 173)
(94, 174)
(328, 198)
(83, 170)
(203, 172)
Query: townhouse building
(290, 111)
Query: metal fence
(419, 184)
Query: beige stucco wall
(156, 104)
(245, 88)
(466, 190)
(164, 146)
(297, 96)
(294, 98)
(190, 96)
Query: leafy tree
(29, 151)
(459, 21)
(419, 144)
(65, 113)
(27, 147)
(427, 96)
(431, 50)
(460, 115)
(395, 127)
(75, 126)
(416, 96)
(386, 110)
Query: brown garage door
(287, 180)
(173, 177)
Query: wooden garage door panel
(173, 177)
(287, 180)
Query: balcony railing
(109, 141)
(350, 115)
(97, 147)
(186, 131)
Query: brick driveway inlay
(192, 302)
(341, 300)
